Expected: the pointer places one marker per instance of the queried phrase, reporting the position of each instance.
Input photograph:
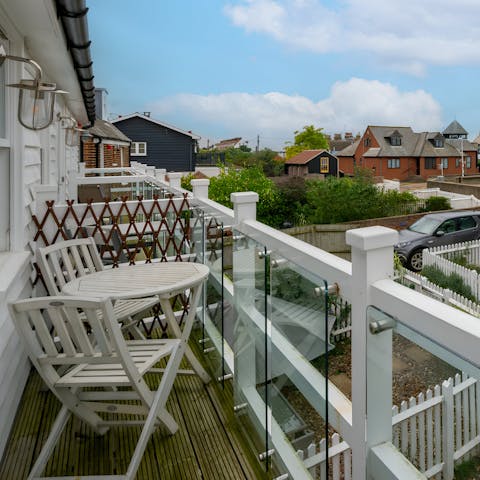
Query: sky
(266, 68)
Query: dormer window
(366, 142)
(438, 142)
(396, 140)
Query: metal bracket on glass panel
(263, 254)
(282, 477)
(265, 455)
(227, 376)
(379, 321)
(331, 289)
(277, 262)
(209, 349)
(240, 406)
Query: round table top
(136, 281)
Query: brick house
(400, 153)
(312, 161)
(106, 146)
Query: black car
(433, 230)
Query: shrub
(453, 282)
(186, 181)
(437, 203)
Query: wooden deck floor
(205, 446)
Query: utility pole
(257, 148)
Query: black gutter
(73, 15)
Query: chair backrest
(68, 331)
(62, 262)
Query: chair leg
(157, 409)
(57, 429)
(175, 329)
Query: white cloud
(405, 34)
(351, 106)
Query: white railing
(367, 281)
(441, 257)
(435, 430)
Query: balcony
(269, 328)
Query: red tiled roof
(304, 157)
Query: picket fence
(425, 286)
(436, 430)
(442, 256)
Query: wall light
(36, 100)
(72, 131)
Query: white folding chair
(72, 355)
(64, 261)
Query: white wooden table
(165, 279)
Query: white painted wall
(27, 159)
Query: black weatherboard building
(158, 144)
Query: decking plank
(202, 448)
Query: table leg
(177, 332)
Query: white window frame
(393, 163)
(135, 149)
(324, 164)
(444, 162)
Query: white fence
(425, 286)
(441, 257)
(435, 431)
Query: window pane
(466, 222)
(141, 148)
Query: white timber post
(160, 174)
(248, 352)
(372, 260)
(244, 206)
(175, 179)
(200, 187)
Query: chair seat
(144, 353)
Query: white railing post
(244, 206)
(200, 187)
(150, 171)
(372, 260)
(81, 169)
(160, 174)
(175, 179)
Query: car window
(448, 226)
(466, 222)
(425, 225)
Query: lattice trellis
(157, 229)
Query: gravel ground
(414, 371)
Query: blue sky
(269, 67)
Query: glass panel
(251, 345)
(300, 330)
(426, 374)
(433, 392)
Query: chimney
(146, 114)
(337, 136)
(348, 135)
(101, 110)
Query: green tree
(310, 138)
(245, 180)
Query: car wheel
(415, 262)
